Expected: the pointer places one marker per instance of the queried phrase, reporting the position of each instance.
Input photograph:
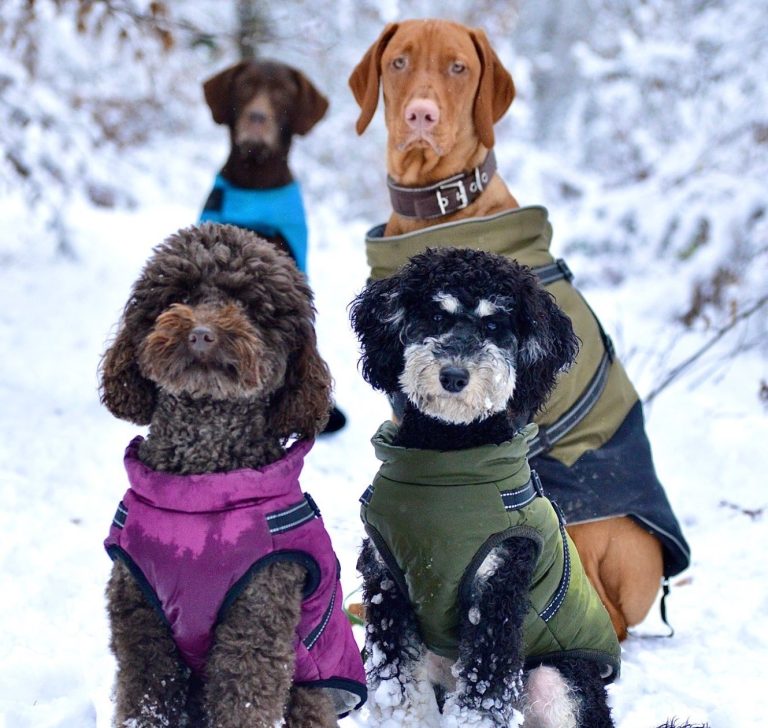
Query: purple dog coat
(194, 541)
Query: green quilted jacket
(434, 516)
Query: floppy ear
(495, 90)
(218, 93)
(123, 390)
(365, 77)
(548, 345)
(302, 405)
(310, 105)
(377, 323)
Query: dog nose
(422, 114)
(201, 339)
(454, 379)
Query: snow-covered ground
(61, 469)
(61, 476)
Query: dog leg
(399, 693)
(152, 682)
(572, 695)
(625, 565)
(490, 666)
(310, 708)
(250, 667)
(550, 701)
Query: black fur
(469, 275)
(534, 341)
(491, 653)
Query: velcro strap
(365, 498)
(120, 515)
(556, 271)
(516, 499)
(548, 436)
(293, 516)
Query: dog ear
(495, 91)
(365, 77)
(310, 105)
(302, 405)
(548, 345)
(125, 392)
(218, 93)
(377, 321)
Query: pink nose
(422, 114)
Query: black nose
(201, 339)
(454, 379)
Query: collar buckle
(444, 202)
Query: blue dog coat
(279, 210)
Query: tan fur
(469, 102)
(258, 122)
(623, 561)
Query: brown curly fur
(230, 403)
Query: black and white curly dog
(475, 345)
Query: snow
(61, 469)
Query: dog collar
(444, 197)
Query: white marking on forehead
(485, 308)
(448, 302)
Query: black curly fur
(427, 433)
(537, 341)
(392, 626)
(584, 678)
(391, 313)
(491, 650)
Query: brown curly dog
(216, 352)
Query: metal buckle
(461, 195)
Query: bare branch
(676, 371)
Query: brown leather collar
(444, 197)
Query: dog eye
(399, 63)
(491, 326)
(458, 67)
(437, 317)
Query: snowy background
(643, 127)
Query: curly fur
(397, 312)
(477, 322)
(225, 265)
(216, 351)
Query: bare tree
(253, 27)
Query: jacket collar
(206, 492)
(484, 464)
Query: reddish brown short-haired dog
(443, 88)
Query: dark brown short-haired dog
(264, 104)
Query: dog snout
(201, 340)
(422, 115)
(454, 379)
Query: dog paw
(459, 716)
(392, 704)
